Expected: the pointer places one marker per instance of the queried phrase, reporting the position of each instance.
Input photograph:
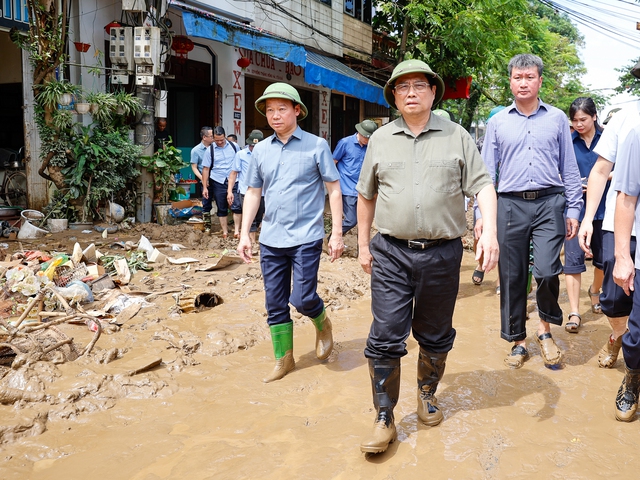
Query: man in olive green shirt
(416, 173)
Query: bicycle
(13, 190)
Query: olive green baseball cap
(413, 66)
(281, 90)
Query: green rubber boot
(282, 339)
(324, 338)
(206, 216)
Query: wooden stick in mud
(30, 305)
(88, 348)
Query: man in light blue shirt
(290, 167)
(626, 272)
(197, 156)
(349, 155)
(216, 166)
(239, 173)
(529, 146)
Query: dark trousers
(257, 220)
(631, 339)
(278, 265)
(207, 203)
(615, 303)
(349, 213)
(412, 290)
(520, 220)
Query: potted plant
(59, 212)
(164, 164)
(56, 92)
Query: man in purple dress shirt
(529, 145)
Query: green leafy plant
(60, 206)
(50, 92)
(164, 164)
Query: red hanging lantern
(243, 62)
(182, 46)
(109, 26)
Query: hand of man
(488, 246)
(205, 191)
(477, 229)
(584, 235)
(244, 248)
(572, 228)
(365, 258)
(624, 273)
(336, 246)
(230, 198)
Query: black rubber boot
(385, 386)
(430, 371)
(627, 398)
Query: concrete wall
(358, 35)
(324, 19)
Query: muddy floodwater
(204, 413)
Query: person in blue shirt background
(584, 118)
(349, 155)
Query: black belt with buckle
(534, 194)
(419, 244)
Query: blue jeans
(279, 266)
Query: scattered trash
(189, 302)
(223, 261)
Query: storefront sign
(262, 65)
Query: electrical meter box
(146, 47)
(121, 47)
(134, 5)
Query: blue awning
(318, 69)
(241, 36)
(331, 73)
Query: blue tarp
(225, 32)
(330, 73)
(318, 69)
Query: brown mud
(203, 411)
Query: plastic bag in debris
(185, 212)
(76, 292)
(123, 301)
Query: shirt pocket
(444, 175)
(391, 177)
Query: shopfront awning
(330, 73)
(318, 69)
(241, 36)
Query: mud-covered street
(204, 412)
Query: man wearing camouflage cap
(349, 155)
(239, 172)
(291, 167)
(416, 173)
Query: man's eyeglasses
(418, 87)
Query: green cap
(413, 66)
(254, 137)
(281, 90)
(442, 113)
(366, 128)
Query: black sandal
(595, 307)
(477, 274)
(571, 326)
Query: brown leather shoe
(609, 352)
(283, 366)
(384, 433)
(550, 352)
(517, 357)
